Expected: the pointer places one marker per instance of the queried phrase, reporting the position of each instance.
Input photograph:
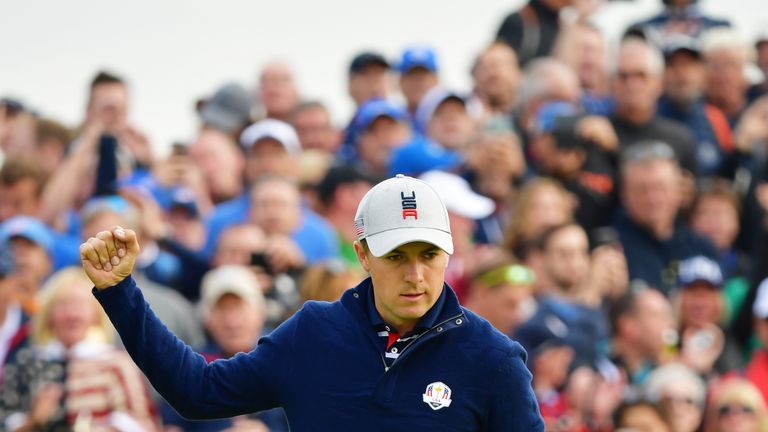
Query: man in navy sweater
(396, 353)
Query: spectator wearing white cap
(757, 369)
(233, 310)
(465, 208)
(271, 147)
(706, 346)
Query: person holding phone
(397, 352)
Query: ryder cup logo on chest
(437, 395)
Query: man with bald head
(277, 90)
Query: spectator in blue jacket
(397, 352)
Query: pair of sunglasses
(735, 409)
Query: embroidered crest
(437, 395)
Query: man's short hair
(549, 233)
(646, 151)
(51, 129)
(103, 77)
(716, 188)
(625, 304)
(16, 169)
(655, 56)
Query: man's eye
(430, 255)
(394, 257)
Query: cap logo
(409, 205)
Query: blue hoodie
(325, 367)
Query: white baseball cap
(760, 306)
(458, 196)
(279, 131)
(402, 210)
(230, 279)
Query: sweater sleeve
(245, 383)
(513, 405)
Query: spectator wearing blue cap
(418, 74)
(547, 339)
(369, 78)
(33, 249)
(443, 119)
(380, 126)
(706, 346)
(683, 101)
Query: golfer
(395, 353)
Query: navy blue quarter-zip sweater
(325, 367)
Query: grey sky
(173, 51)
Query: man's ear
(362, 256)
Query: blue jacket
(325, 367)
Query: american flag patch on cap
(359, 227)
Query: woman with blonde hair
(543, 202)
(71, 376)
(737, 406)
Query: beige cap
(230, 279)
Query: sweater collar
(359, 300)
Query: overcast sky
(174, 51)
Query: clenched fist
(109, 257)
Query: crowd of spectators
(608, 202)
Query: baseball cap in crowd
(429, 104)
(183, 198)
(402, 210)
(421, 155)
(541, 332)
(420, 56)
(760, 306)
(367, 58)
(458, 196)
(374, 109)
(29, 228)
(550, 112)
(681, 43)
(512, 274)
(278, 130)
(230, 279)
(340, 175)
(699, 269)
(228, 110)
(7, 266)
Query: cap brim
(473, 207)
(382, 243)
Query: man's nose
(414, 271)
